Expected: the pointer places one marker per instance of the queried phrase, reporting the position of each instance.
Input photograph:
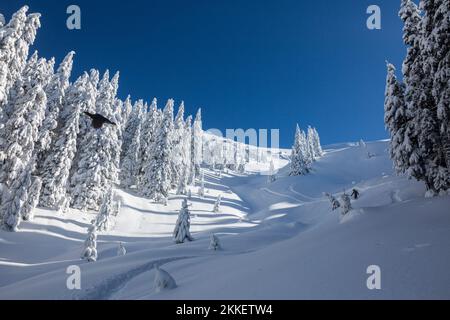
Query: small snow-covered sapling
(121, 251)
(214, 243)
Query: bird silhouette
(98, 120)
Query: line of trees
(49, 152)
(305, 151)
(417, 109)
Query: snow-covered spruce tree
(157, 173)
(131, 163)
(197, 146)
(430, 139)
(133, 119)
(55, 91)
(214, 243)
(181, 232)
(299, 155)
(151, 121)
(16, 38)
(187, 149)
(316, 146)
(177, 163)
(217, 204)
(98, 164)
(21, 131)
(121, 251)
(103, 221)
(15, 199)
(201, 190)
(90, 246)
(440, 44)
(345, 203)
(57, 165)
(85, 126)
(413, 75)
(396, 120)
(333, 201)
(109, 105)
(182, 183)
(424, 143)
(33, 198)
(272, 176)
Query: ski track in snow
(108, 287)
(282, 195)
(291, 188)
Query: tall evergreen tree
(98, 164)
(133, 120)
(197, 146)
(158, 171)
(15, 200)
(396, 120)
(55, 91)
(150, 124)
(27, 112)
(130, 163)
(177, 163)
(15, 40)
(57, 165)
(299, 155)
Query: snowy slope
(280, 240)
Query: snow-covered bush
(201, 190)
(90, 246)
(334, 202)
(214, 243)
(121, 251)
(217, 204)
(272, 176)
(346, 204)
(163, 280)
(181, 232)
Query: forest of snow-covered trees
(417, 110)
(50, 153)
(53, 157)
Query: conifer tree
(27, 112)
(214, 243)
(55, 91)
(217, 204)
(131, 163)
(157, 173)
(197, 146)
(57, 165)
(181, 232)
(15, 200)
(90, 246)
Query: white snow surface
(279, 240)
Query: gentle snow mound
(163, 280)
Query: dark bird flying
(98, 120)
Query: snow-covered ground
(280, 240)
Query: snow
(279, 240)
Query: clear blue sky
(247, 63)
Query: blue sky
(247, 63)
